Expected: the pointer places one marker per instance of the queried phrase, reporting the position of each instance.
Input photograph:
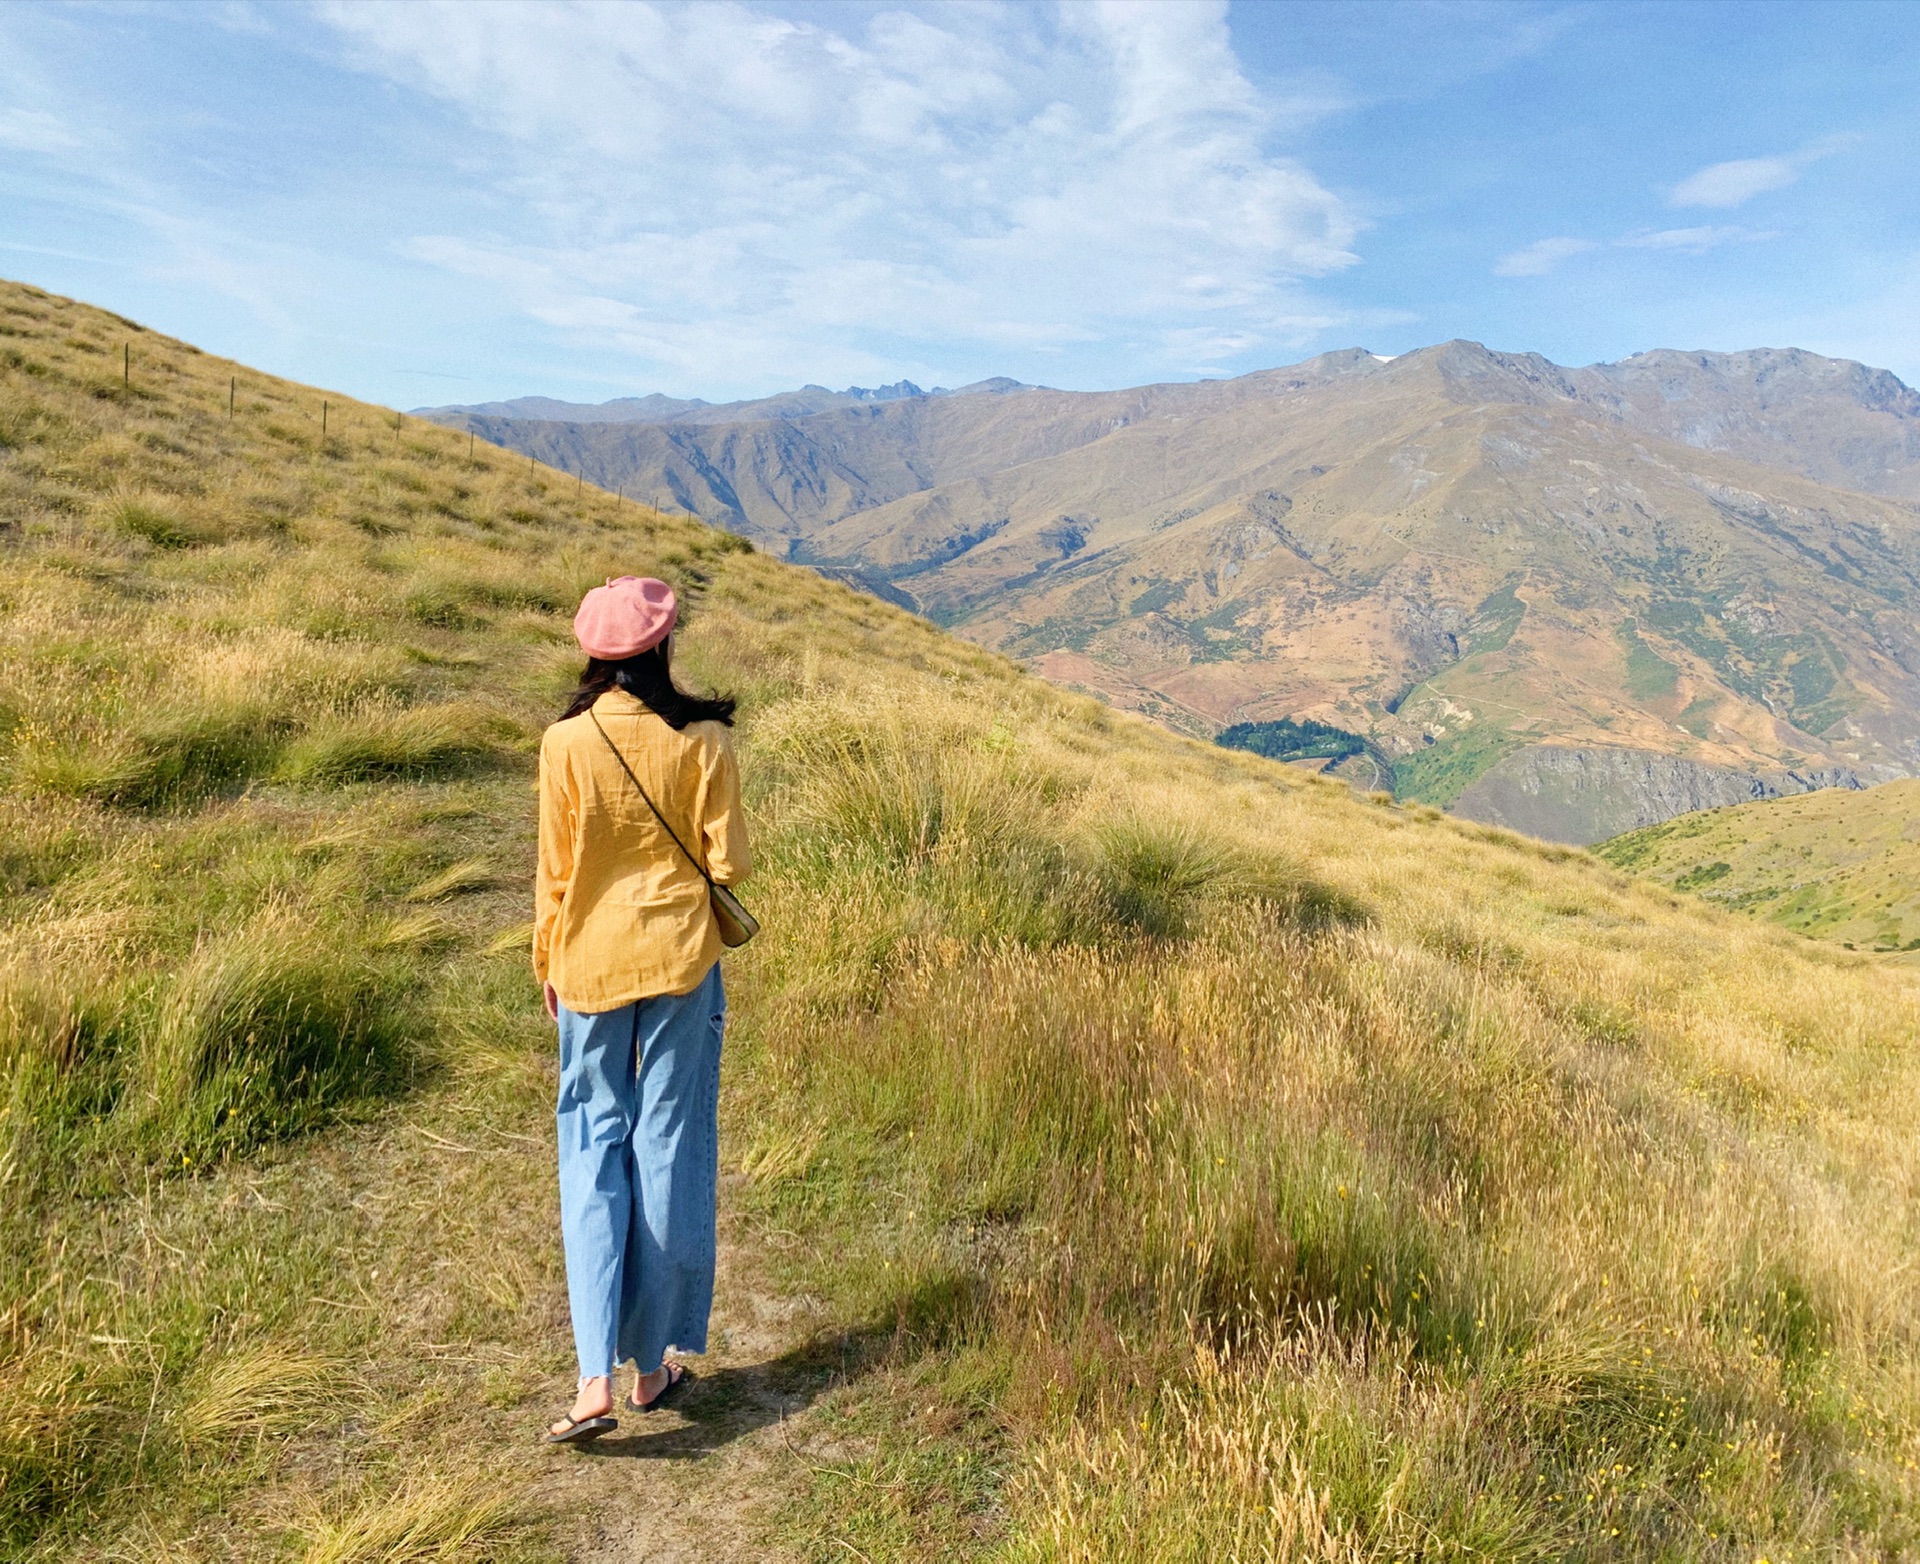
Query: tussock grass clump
(902, 801)
(383, 740)
(168, 758)
(435, 1519)
(896, 789)
(1155, 873)
(247, 1395)
(463, 878)
(264, 1029)
(1164, 878)
(254, 1034)
(158, 525)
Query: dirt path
(699, 1483)
(442, 1263)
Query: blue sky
(426, 203)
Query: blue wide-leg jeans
(639, 1174)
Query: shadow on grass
(722, 1405)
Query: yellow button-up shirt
(619, 913)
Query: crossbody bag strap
(697, 864)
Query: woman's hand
(553, 1003)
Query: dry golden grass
(1196, 1161)
(263, 1389)
(1516, 1209)
(440, 1518)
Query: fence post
(233, 386)
(126, 366)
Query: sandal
(581, 1430)
(677, 1376)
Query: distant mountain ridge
(657, 409)
(1519, 581)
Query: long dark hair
(648, 677)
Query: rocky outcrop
(1584, 795)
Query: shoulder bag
(736, 924)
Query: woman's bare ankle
(595, 1398)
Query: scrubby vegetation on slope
(1838, 864)
(1291, 740)
(1188, 1160)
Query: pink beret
(626, 616)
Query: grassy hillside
(1840, 864)
(1177, 1157)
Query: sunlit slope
(273, 666)
(1172, 1156)
(1840, 864)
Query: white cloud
(739, 193)
(1545, 255)
(1540, 257)
(1732, 184)
(1695, 241)
(30, 130)
(1735, 183)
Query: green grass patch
(1440, 772)
(1649, 675)
(384, 741)
(1697, 719)
(1495, 620)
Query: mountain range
(1571, 601)
(658, 409)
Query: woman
(626, 948)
